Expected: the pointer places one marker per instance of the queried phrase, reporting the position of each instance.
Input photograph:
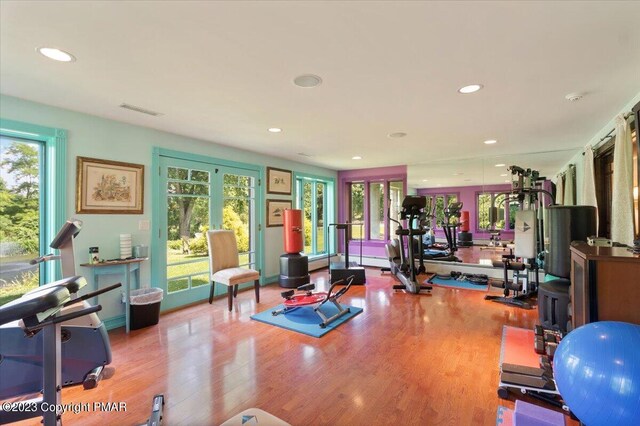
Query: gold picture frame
(275, 212)
(109, 187)
(278, 181)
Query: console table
(118, 267)
(605, 284)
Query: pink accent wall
(467, 195)
(369, 247)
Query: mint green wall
(91, 136)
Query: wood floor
(406, 360)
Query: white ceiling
(223, 71)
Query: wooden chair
(223, 265)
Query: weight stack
(566, 224)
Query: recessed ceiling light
(307, 81)
(500, 165)
(356, 157)
(507, 181)
(504, 174)
(56, 54)
(490, 141)
(573, 97)
(472, 88)
(397, 135)
(425, 180)
(275, 129)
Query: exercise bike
(307, 297)
(403, 266)
(85, 346)
(39, 315)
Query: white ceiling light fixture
(504, 174)
(396, 135)
(274, 129)
(574, 97)
(56, 54)
(490, 142)
(472, 88)
(425, 180)
(356, 157)
(307, 81)
(500, 165)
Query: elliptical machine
(402, 265)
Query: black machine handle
(44, 258)
(92, 294)
(340, 292)
(66, 317)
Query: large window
(441, 202)
(505, 217)
(313, 199)
(19, 216)
(32, 204)
(376, 211)
(371, 203)
(356, 204)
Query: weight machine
(526, 186)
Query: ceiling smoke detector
(573, 97)
(307, 81)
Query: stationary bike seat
(37, 302)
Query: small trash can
(145, 307)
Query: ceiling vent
(141, 110)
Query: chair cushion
(233, 276)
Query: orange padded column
(293, 231)
(464, 221)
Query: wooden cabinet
(605, 284)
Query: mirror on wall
(477, 183)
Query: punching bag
(464, 221)
(293, 231)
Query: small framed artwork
(278, 181)
(275, 211)
(109, 187)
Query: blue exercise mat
(304, 320)
(453, 283)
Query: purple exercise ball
(597, 371)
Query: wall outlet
(143, 225)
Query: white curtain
(560, 189)
(622, 197)
(570, 186)
(589, 197)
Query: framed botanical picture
(275, 211)
(278, 181)
(109, 187)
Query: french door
(196, 197)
